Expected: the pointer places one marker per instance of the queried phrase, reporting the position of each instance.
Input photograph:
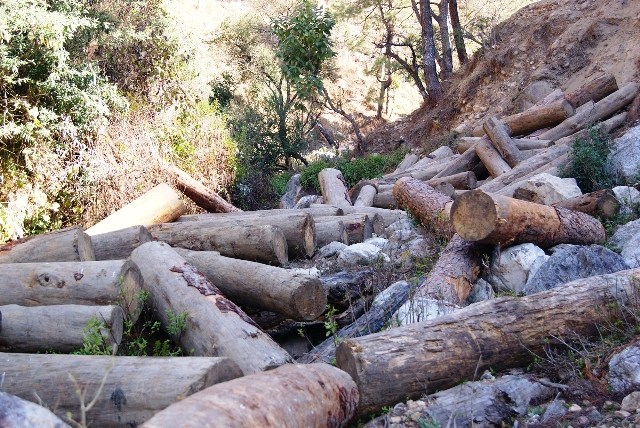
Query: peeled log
(333, 187)
(316, 395)
(214, 325)
(385, 200)
(59, 328)
(135, 389)
(466, 143)
(294, 295)
(602, 203)
(491, 158)
(462, 181)
(161, 204)
(119, 244)
(494, 219)
(327, 232)
(404, 362)
(388, 216)
(463, 163)
(110, 282)
(358, 227)
(594, 90)
(66, 245)
(315, 210)
(502, 141)
(264, 244)
(429, 206)
(365, 197)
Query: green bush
(589, 157)
(279, 182)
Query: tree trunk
(263, 244)
(317, 395)
(328, 232)
(491, 159)
(429, 53)
(443, 25)
(135, 388)
(461, 181)
(458, 33)
(334, 188)
(59, 328)
(161, 204)
(119, 244)
(499, 220)
(593, 90)
(214, 325)
(521, 143)
(426, 204)
(359, 227)
(365, 197)
(19, 413)
(111, 282)
(601, 203)
(385, 200)
(388, 216)
(462, 163)
(501, 141)
(498, 333)
(66, 245)
(198, 192)
(315, 210)
(296, 296)
(555, 167)
(346, 287)
(409, 160)
(424, 169)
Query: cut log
(388, 216)
(521, 143)
(315, 210)
(556, 95)
(425, 169)
(498, 333)
(317, 395)
(359, 227)
(502, 141)
(354, 192)
(214, 325)
(385, 200)
(594, 90)
(198, 192)
(161, 204)
(135, 388)
(296, 296)
(119, 244)
(59, 328)
(264, 244)
(110, 282)
(19, 413)
(409, 160)
(334, 188)
(463, 163)
(344, 288)
(494, 219)
(66, 245)
(328, 232)
(491, 159)
(365, 197)
(554, 167)
(430, 207)
(462, 181)
(602, 203)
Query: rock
(306, 201)
(288, 200)
(480, 292)
(511, 268)
(419, 309)
(624, 369)
(420, 248)
(312, 271)
(621, 414)
(378, 242)
(441, 152)
(631, 403)
(548, 189)
(627, 241)
(332, 249)
(401, 225)
(18, 413)
(624, 159)
(629, 198)
(533, 93)
(569, 262)
(361, 253)
(344, 287)
(574, 408)
(554, 411)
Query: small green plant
(427, 423)
(331, 325)
(279, 182)
(589, 156)
(93, 340)
(176, 323)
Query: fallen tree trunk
(119, 244)
(333, 188)
(430, 207)
(593, 90)
(365, 197)
(498, 333)
(161, 204)
(521, 143)
(409, 160)
(388, 216)
(60, 328)
(66, 245)
(315, 210)
(264, 244)
(18, 413)
(328, 232)
(126, 398)
(494, 219)
(602, 203)
(491, 159)
(214, 326)
(317, 395)
(385, 200)
(462, 163)
(111, 282)
(296, 296)
(358, 227)
(461, 181)
(501, 140)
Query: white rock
(312, 271)
(626, 195)
(624, 159)
(419, 309)
(377, 241)
(549, 189)
(306, 201)
(332, 248)
(512, 267)
(627, 241)
(361, 253)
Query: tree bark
(594, 90)
(521, 143)
(385, 200)
(111, 282)
(501, 141)
(330, 231)
(491, 159)
(365, 197)
(214, 325)
(388, 216)
(316, 395)
(296, 296)
(119, 244)
(333, 188)
(601, 203)
(409, 160)
(458, 33)
(461, 181)
(59, 328)
(161, 204)
(426, 204)
(359, 227)
(135, 388)
(18, 413)
(463, 163)
(433, 87)
(66, 245)
(494, 219)
(444, 351)
(443, 26)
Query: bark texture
(333, 188)
(430, 207)
(593, 90)
(199, 194)
(119, 244)
(501, 140)
(66, 245)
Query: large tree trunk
(501, 141)
(19, 413)
(135, 388)
(434, 89)
(463, 163)
(499, 220)
(601, 203)
(458, 32)
(358, 227)
(443, 26)
(366, 196)
(119, 244)
(334, 188)
(264, 244)
(388, 216)
(161, 204)
(491, 159)
(59, 328)
(316, 395)
(214, 325)
(111, 282)
(328, 232)
(296, 296)
(466, 143)
(426, 204)
(66, 245)
(594, 90)
(498, 333)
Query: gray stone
(332, 249)
(624, 159)
(511, 268)
(627, 195)
(441, 152)
(480, 292)
(548, 189)
(361, 254)
(377, 241)
(533, 93)
(18, 413)
(554, 411)
(306, 201)
(570, 262)
(288, 200)
(402, 224)
(624, 369)
(312, 271)
(631, 403)
(419, 309)
(627, 241)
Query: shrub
(589, 157)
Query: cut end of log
(309, 236)
(465, 220)
(131, 284)
(85, 247)
(310, 300)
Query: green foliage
(309, 175)
(589, 157)
(222, 89)
(93, 341)
(279, 182)
(331, 325)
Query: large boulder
(570, 262)
(511, 268)
(420, 309)
(548, 189)
(18, 413)
(626, 240)
(624, 159)
(624, 370)
(361, 254)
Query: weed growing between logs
(589, 157)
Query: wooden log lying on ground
(554, 167)
(161, 204)
(315, 210)
(264, 244)
(521, 143)
(333, 188)
(19, 413)
(494, 219)
(593, 90)
(462, 181)
(59, 328)
(317, 395)
(388, 216)
(501, 140)
(430, 207)
(409, 160)
(214, 325)
(601, 203)
(119, 244)
(198, 192)
(442, 352)
(110, 282)
(296, 296)
(359, 227)
(328, 232)
(463, 163)
(491, 159)
(66, 245)
(126, 398)
(385, 200)
(345, 287)
(365, 197)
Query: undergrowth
(589, 158)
